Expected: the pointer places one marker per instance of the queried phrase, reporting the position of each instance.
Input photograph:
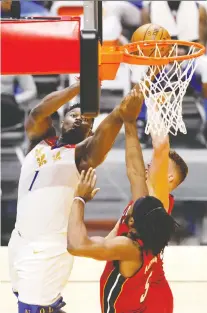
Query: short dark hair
(74, 106)
(180, 163)
(153, 224)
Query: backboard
(55, 45)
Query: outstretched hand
(86, 186)
(131, 105)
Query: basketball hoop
(164, 78)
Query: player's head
(177, 171)
(75, 127)
(149, 221)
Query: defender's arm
(158, 171)
(135, 162)
(79, 244)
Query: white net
(164, 87)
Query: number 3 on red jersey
(147, 285)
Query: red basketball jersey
(146, 292)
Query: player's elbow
(75, 246)
(72, 244)
(94, 161)
(73, 251)
(35, 115)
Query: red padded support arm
(41, 47)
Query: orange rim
(118, 54)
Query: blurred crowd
(185, 20)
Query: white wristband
(81, 199)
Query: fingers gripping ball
(152, 32)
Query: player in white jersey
(39, 262)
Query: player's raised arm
(134, 158)
(158, 170)
(78, 242)
(96, 147)
(39, 122)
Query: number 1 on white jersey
(34, 178)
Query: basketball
(152, 32)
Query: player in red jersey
(132, 280)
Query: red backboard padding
(40, 47)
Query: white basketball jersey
(46, 189)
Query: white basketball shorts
(39, 271)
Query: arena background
(185, 259)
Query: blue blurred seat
(31, 8)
